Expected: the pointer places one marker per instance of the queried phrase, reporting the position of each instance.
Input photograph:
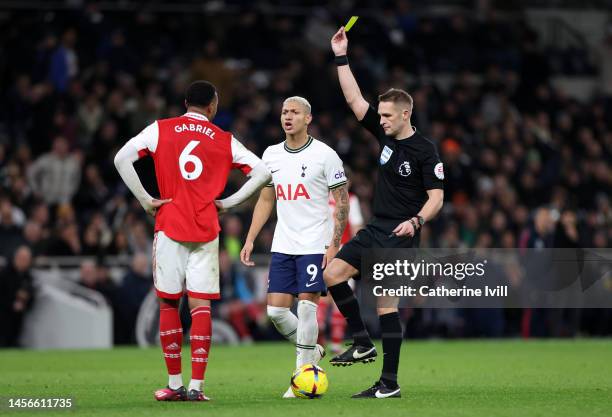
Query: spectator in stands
(16, 295)
(232, 236)
(33, 237)
(55, 176)
(66, 241)
(119, 245)
(92, 244)
(240, 307)
(541, 233)
(95, 277)
(90, 116)
(39, 213)
(139, 239)
(64, 61)
(134, 288)
(10, 229)
(539, 236)
(93, 192)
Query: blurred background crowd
(527, 164)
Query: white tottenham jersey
(302, 179)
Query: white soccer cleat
(289, 393)
(319, 354)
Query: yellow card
(350, 23)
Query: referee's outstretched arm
(352, 93)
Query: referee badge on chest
(385, 155)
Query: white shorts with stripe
(185, 266)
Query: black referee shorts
(371, 237)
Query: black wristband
(341, 60)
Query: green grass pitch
(441, 378)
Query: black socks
(391, 333)
(349, 307)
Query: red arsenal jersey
(193, 158)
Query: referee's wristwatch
(420, 221)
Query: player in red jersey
(193, 158)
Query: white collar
(195, 115)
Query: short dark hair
(200, 93)
(396, 95)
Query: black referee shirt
(407, 168)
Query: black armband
(341, 60)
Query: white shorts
(190, 266)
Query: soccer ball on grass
(309, 381)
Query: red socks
(171, 337)
(201, 329)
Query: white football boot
(289, 393)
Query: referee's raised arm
(350, 89)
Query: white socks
(307, 332)
(195, 384)
(175, 381)
(285, 322)
(303, 331)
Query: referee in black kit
(408, 193)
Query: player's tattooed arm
(341, 213)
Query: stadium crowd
(523, 160)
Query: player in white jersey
(304, 170)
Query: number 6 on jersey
(187, 157)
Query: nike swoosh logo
(379, 394)
(310, 285)
(357, 355)
(275, 171)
